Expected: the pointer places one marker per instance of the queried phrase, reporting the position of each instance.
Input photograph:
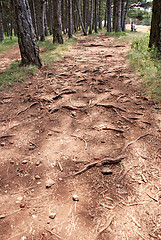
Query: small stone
(12, 162)
(22, 205)
(75, 197)
(23, 238)
(50, 134)
(48, 222)
(2, 216)
(24, 161)
(2, 144)
(106, 171)
(37, 177)
(52, 215)
(49, 183)
(38, 163)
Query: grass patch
(7, 44)
(16, 73)
(148, 66)
(50, 52)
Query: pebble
(22, 205)
(3, 144)
(106, 171)
(37, 177)
(75, 197)
(24, 161)
(49, 183)
(52, 215)
(38, 163)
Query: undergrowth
(7, 44)
(147, 64)
(15, 73)
(49, 53)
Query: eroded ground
(87, 107)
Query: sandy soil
(87, 108)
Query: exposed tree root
(99, 164)
(33, 104)
(111, 106)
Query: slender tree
(70, 11)
(26, 37)
(91, 18)
(1, 25)
(109, 26)
(95, 15)
(155, 33)
(80, 18)
(57, 25)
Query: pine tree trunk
(1, 24)
(34, 19)
(118, 17)
(91, 19)
(109, 16)
(57, 26)
(155, 33)
(125, 16)
(50, 9)
(70, 11)
(45, 22)
(100, 14)
(42, 17)
(26, 37)
(95, 16)
(114, 14)
(80, 18)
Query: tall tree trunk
(105, 23)
(155, 33)
(91, 19)
(50, 16)
(95, 16)
(85, 14)
(118, 16)
(70, 10)
(45, 21)
(42, 17)
(125, 16)
(114, 14)
(80, 17)
(100, 14)
(26, 37)
(109, 16)
(57, 26)
(34, 19)
(1, 24)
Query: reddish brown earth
(87, 107)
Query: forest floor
(58, 130)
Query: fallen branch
(128, 144)
(63, 93)
(7, 136)
(152, 197)
(33, 104)
(110, 106)
(99, 164)
(112, 129)
(52, 233)
(103, 229)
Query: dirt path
(87, 107)
(8, 57)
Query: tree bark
(100, 14)
(91, 18)
(26, 37)
(1, 24)
(57, 26)
(125, 16)
(70, 11)
(42, 17)
(109, 28)
(80, 17)
(118, 16)
(95, 15)
(155, 33)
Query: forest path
(87, 107)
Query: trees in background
(1, 25)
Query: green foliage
(7, 44)
(148, 66)
(17, 73)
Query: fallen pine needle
(53, 233)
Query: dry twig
(33, 104)
(103, 229)
(52, 233)
(128, 144)
(100, 163)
